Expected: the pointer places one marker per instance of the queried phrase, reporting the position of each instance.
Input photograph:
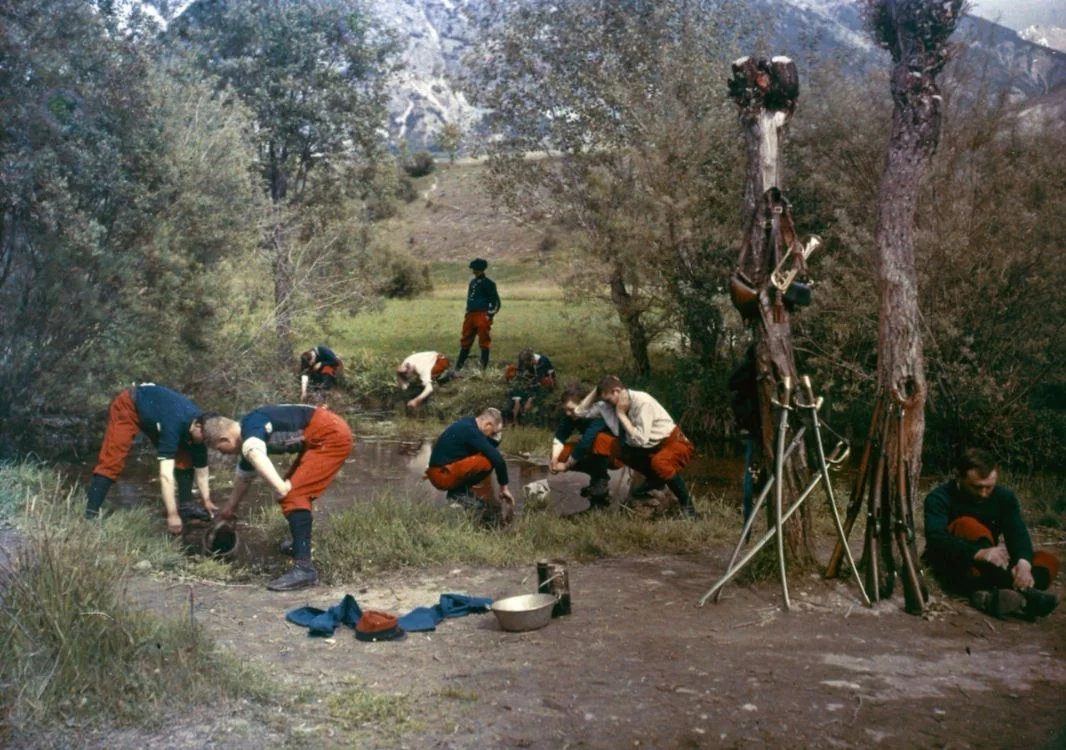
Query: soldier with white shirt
(654, 445)
(424, 368)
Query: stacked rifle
(888, 500)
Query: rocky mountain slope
(440, 33)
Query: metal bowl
(526, 612)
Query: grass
(73, 649)
(388, 533)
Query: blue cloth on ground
(324, 622)
(347, 612)
(450, 605)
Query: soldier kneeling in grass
(422, 369)
(319, 368)
(964, 520)
(596, 451)
(533, 375)
(322, 442)
(464, 456)
(654, 445)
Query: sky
(1018, 14)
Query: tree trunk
(284, 286)
(766, 92)
(915, 33)
(630, 315)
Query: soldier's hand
(997, 556)
(174, 524)
(1023, 575)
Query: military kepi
(378, 626)
(479, 264)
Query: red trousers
(123, 424)
(327, 443)
(970, 529)
(605, 444)
(478, 323)
(471, 470)
(663, 461)
(440, 366)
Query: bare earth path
(637, 664)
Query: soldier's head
(525, 359)
(610, 389)
(478, 266)
(571, 398)
(307, 359)
(976, 472)
(220, 433)
(490, 422)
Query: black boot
(1039, 603)
(303, 573)
(96, 494)
(188, 508)
(677, 486)
(484, 359)
(463, 354)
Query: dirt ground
(638, 664)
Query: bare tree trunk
(284, 286)
(915, 32)
(630, 315)
(766, 93)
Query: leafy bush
(420, 165)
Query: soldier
(169, 420)
(322, 442)
(482, 304)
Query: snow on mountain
(1053, 37)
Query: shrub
(420, 165)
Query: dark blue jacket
(463, 439)
(481, 296)
(323, 356)
(165, 417)
(589, 429)
(999, 512)
(280, 426)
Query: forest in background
(188, 206)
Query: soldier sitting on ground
(597, 449)
(464, 456)
(530, 377)
(319, 368)
(422, 370)
(964, 521)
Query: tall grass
(73, 648)
(391, 532)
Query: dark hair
(525, 357)
(609, 383)
(573, 392)
(306, 359)
(975, 459)
(204, 417)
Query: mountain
(1046, 36)
(439, 33)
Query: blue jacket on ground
(165, 417)
(347, 612)
(463, 439)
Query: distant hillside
(440, 33)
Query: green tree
(641, 154)
(313, 74)
(449, 139)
